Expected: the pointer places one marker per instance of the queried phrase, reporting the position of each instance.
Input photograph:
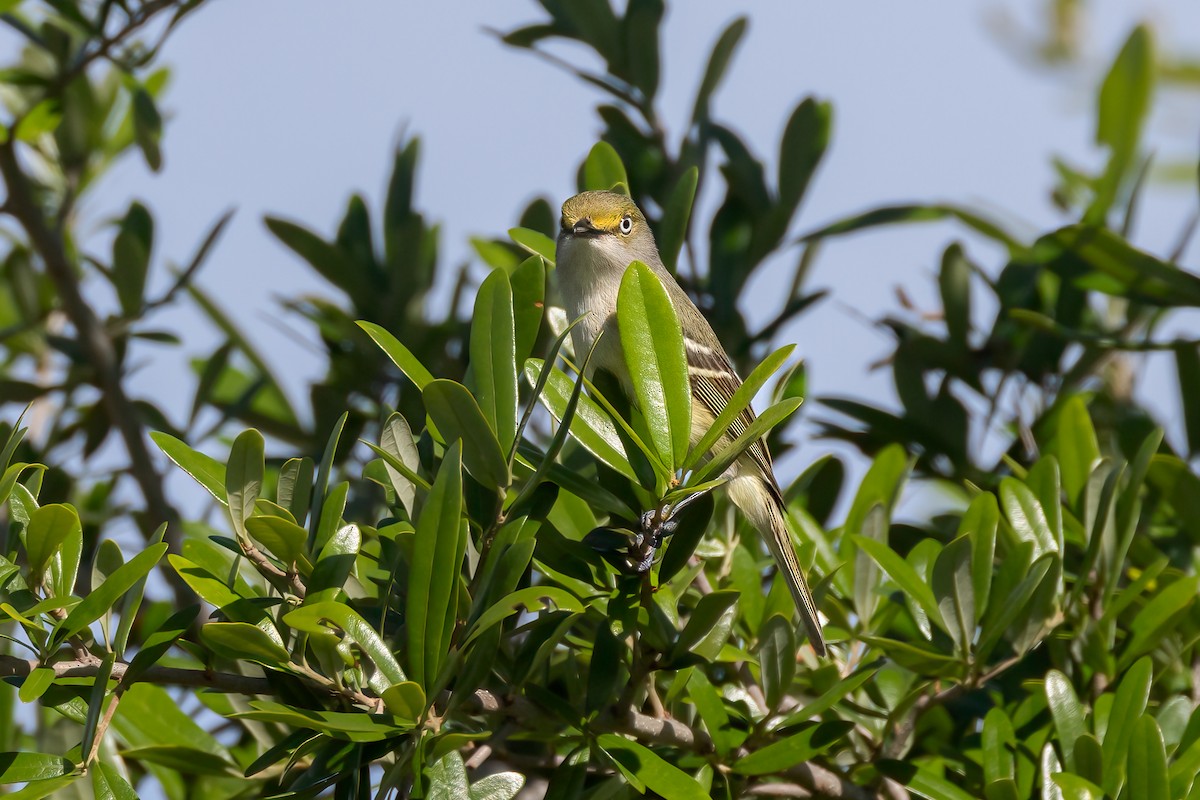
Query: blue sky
(287, 106)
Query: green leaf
(902, 573)
(998, 740)
(889, 215)
(530, 599)
(313, 619)
(718, 63)
(921, 781)
(438, 546)
(396, 440)
(590, 425)
(400, 355)
(1147, 762)
(108, 784)
(830, 697)
(493, 356)
(131, 257)
(1027, 516)
(672, 231)
(1067, 712)
(1076, 446)
(980, 522)
(952, 585)
(96, 702)
(159, 643)
(241, 640)
(334, 564)
(1123, 104)
(770, 418)
(603, 169)
(776, 658)
(353, 726)
(704, 619)
(147, 128)
(49, 527)
(738, 403)
(805, 139)
(538, 244)
(293, 490)
(643, 767)
(244, 477)
(405, 700)
(25, 767)
(954, 282)
(317, 511)
(1128, 705)
(1187, 367)
(207, 471)
(529, 298)
(1157, 617)
(1074, 787)
(35, 684)
(786, 753)
(458, 417)
(331, 515)
(652, 341)
(105, 596)
(283, 539)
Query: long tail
(762, 505)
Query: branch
(819, 780)
(95, 341)
(230, 683)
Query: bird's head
(604, 227)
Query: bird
(601, 233)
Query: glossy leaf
(241, 640)
(400, 355)
(672, 231)
(105, 596)
(244, 477)
(652, 343)
(207, 471)
(493, 356)
(458, 417)
(313, 618)
(646, 768)
(603, 169)
(538, 244)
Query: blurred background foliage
(422, 585)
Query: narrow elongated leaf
(334, 564)
(1159, 615)
(776, 658)
(293, 490)
(493, 356)
(738, 403)
(241, 640)
(786, 753)
(434, 576)
(1067, 712)
(400, 355)
(1027, 516)
(590, 425)
(704, 619)
(718, 62)
(952, 585)
(207, 471)
(1128, 705)
(903, 574)
(980, 523)
(644, 766)
(529, 296)
(458, 417)
(244, 477)
(652, 341)
(998, 740)
(529, 599)
(321, 484)
(106, 595)
(1147, 766)
(672, 231)
(283, 539)
(772, 417)
(922, 781)
(1076, 446)
(397, 440)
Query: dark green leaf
(244, 477)
(642, 766)
(105, 596)
(776, 658)
(207, 471)
(493, 356)
(131, 258)
(787, 753)
(241, 640)
(458, 417)
(718, 63)
(438, 546)
(1147, 762)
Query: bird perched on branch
(602, 233)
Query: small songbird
(601, 234)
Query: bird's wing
(714, 380)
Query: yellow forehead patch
(604, 209)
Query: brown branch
(819, 780)
(283, 580)
(96, 342)
(229, 683)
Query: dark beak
(584, 227)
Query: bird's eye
(626, 225)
